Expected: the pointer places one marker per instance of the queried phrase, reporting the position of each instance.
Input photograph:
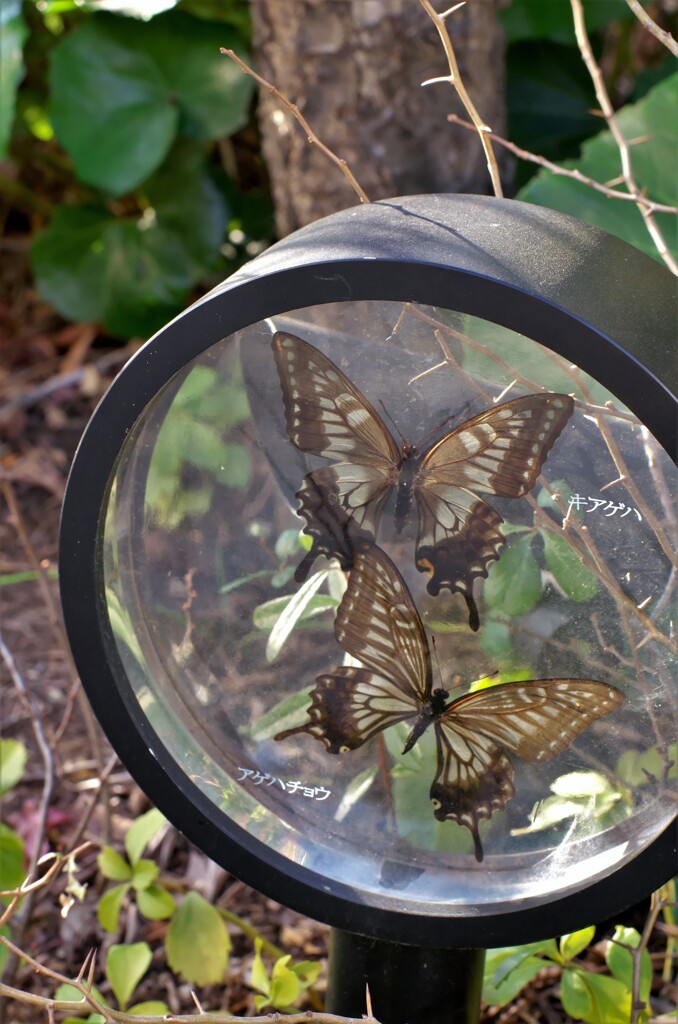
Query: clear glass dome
(224, 647)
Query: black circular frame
(585, 294)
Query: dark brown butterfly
(499, 452)
(378, 624)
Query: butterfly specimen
(378, 624)
(499, 452)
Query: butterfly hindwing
(536, 719)
(349, 706)
(499, 452)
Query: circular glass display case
(381, 590)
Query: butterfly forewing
(502, 450)
(378, 624)
(536, 719)
(325, 413)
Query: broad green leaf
(549, 97)
(113, 866)
(288, 714)
(637, 769)
(122, 90)
(110, 904)
(595, 998)
(266, 615)
(514, 582)
(155, 903)
(12, 870)
(552, 19)
(13, 32)
(510, 968)
(578, 582)
(260, 979)
(152, 1008)
(197, 942)
(551, 811)
(307, 971)
(285, 985)
(125, 967)
(141, 832)
(70, 994)
(572, 945)
(13, 756)
(620, 961)
(293, 611)
(145, 872)
(651, 120)
(133, 273)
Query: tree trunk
(355, 68)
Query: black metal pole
(408, 984)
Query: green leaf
(12, 870)
(121, 91)
(155, 903)
(552, 19)
(652, 159)
(307, 972)
(620, 961)
(578, 582)
(110, 904)
(133, 273)
(595, 998)
(13, 756)
(572, 945)
(289, 713)
(145, 872)
(266, 615)
(294, 610)
(514, 582)
(113, 866)
(260, 979)
(197, 942)
(509, 969)
(125, 967)
(637, 769)
(549, 97)
(141, 832)
(13, 32)
(152, 1008)
(285, 985)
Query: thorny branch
(456, 81)
(310, 134)
(665, 38)
(574, 173)
(622, 145)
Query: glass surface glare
(223, 647)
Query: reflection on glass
(248, 497)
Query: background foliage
(143, 179)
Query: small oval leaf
(197, 942)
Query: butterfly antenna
(437, 427)
(395, 425)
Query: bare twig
(665, 38)
(574, 173)
(310, 134)
(455, 80)
(622, 145)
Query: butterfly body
(499, 452)
(378, 624)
